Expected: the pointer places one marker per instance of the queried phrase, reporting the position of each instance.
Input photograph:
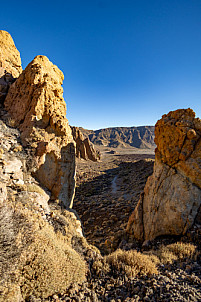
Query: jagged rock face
(10, 63)
(84, 148)
(172, 195)
(35, 102)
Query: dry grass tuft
(100, 267)
(131, 263)
(176, 252)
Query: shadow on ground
(105, 202)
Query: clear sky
(125, 62)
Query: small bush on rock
(176, 252)
(131, 263)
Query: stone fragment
(172, 195)
(13, 166)
(3, 192)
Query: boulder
(171, 200)
(10, 63)
(84, 148)
(36, 105)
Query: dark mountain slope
(138, 137)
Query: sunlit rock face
(35, 102)
(10, 63)
(172, 195)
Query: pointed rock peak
(10, 59)
(35, 102)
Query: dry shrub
(100, 267)
(33, 257)
(152, 257)
(176, 252)
(131, 263)
(50, 265)
(11, 293)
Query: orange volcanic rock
(35, 102)
(10, 63)
(172, 195)
(9, 55)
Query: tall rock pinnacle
(35, 102)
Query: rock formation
(35, 102)
(37, 257)
(84, 148)
(41, 244)
(10, 63)
(172, 195)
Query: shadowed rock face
(84, 148)
(35, 102)
(10, 63)
(172, 195)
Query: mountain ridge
(141, 137)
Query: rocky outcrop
(10, 63)
(37, 255)
(172, 195)
(36, 105)
(42, 248)
(84, 148)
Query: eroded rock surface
(84, 148)
(172, 195)
(35, 102)
(10, 63)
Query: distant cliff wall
(138, 137)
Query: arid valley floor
(108, 190)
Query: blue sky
(125, 62)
